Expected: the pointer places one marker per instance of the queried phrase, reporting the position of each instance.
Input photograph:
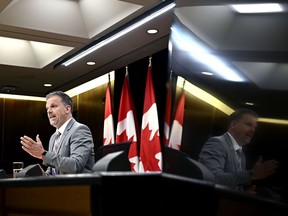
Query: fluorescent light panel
(258, 8)
(72, 92)
(203, 55)
(91, 84)
(204, 96)
(273, 121)
(218, 104)
(119, 34)
(21, 97)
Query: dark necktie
(57, 142)
(240, 159)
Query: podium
(107, 193)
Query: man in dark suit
(74, 150)
(223, 155)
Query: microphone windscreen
(31, 170)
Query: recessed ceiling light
(207, 73)
(249, 103)
(118, 34)
(152, 31)
(91, 63)
(258, 8)
(47, 84)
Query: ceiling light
(258, 8)
(152, 31)
(249, 103)
(91, 84)
(72, 92)
(22, 97)
(119, 34)
(91, 63)
(204, 96)
(47, 84)
(199, 52)
(215, 102)
(207, 73)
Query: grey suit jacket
(218, 155)
(76, 151)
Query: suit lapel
(68, 127)
(231, 150)
(66, 131)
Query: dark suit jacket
(218, 155)
(76, 152)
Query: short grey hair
(66, 100)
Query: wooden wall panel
(1, 130)
(91, 111)
(52, 200)
(22, 117)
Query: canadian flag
(177, 126)
(150, 146)
(167, 121)
(127, 129)
(108, 132)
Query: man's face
(244, 128)
(57, 112)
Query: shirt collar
(236, 146)
(62, 128)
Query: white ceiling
(255, 45)
(67, 18)
(36, 34)
(226, 30)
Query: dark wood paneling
(19, 118)
(53, 200)
(91, 111)
(1, 130)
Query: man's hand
(262, 170)
(34, 148)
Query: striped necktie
(57, 142)
(240, 159)
(56, 148)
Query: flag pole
(126, 70)
(167, 121)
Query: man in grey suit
(71, 147)
(223, 155)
